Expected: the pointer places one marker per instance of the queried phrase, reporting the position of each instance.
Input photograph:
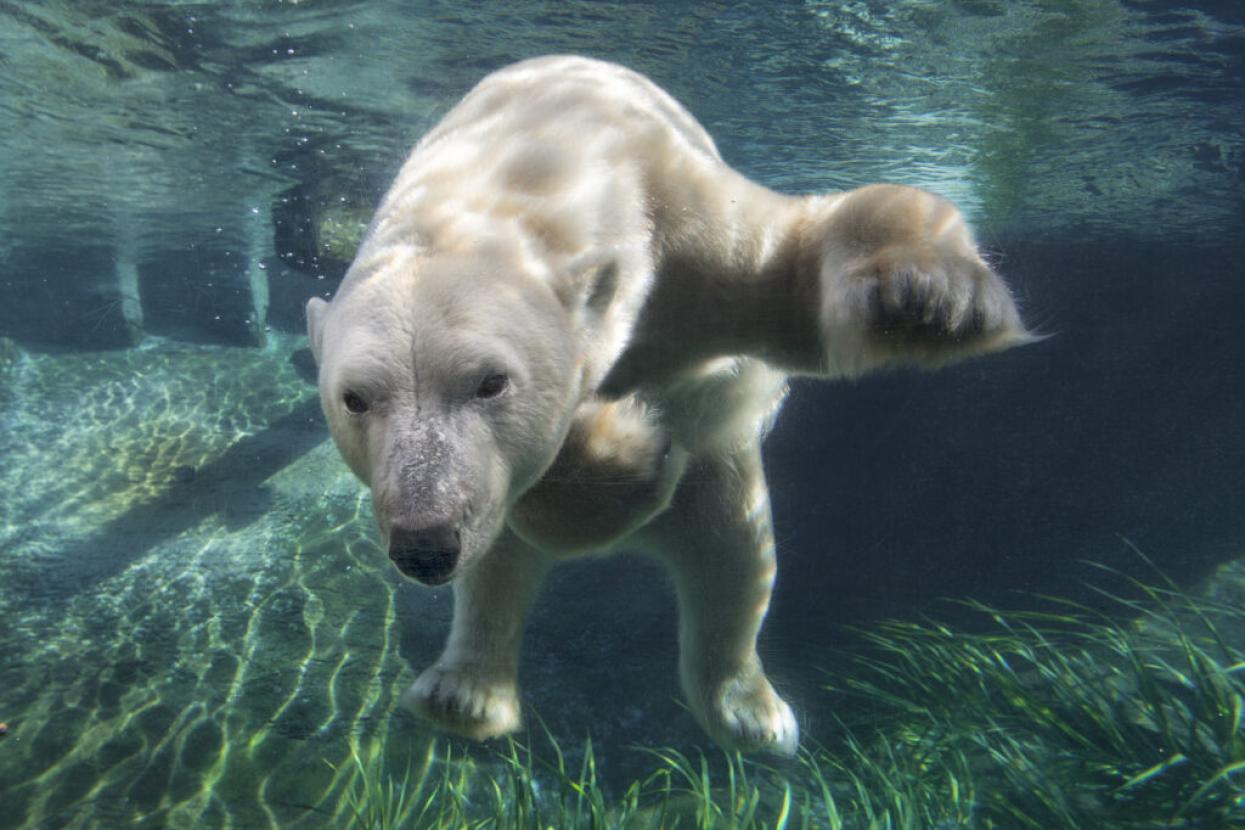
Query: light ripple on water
(1017, 110)
(206, 677)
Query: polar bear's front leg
(472, 689)
(718, 541)
(901, 280)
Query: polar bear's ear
(588, 283)
(315, 324)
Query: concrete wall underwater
(228, 288)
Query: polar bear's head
(448, 383)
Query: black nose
(428, 554)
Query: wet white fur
(570, 222)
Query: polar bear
(567, 330)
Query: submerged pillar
(259, 250)
(128, 294)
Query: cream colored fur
(569, 235)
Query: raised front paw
(745, 713)
(921, 297)
(465, 702)
(902, 281)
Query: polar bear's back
(575, 149)
(571, 98)
(554, 157)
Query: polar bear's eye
(492, 385)
(355, 404)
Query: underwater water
(197, 623)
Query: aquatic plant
(374, 798)
(1067, 719)
(1056, 722)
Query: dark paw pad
(927, 303)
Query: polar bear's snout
(428, 555)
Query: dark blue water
(194, 614)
